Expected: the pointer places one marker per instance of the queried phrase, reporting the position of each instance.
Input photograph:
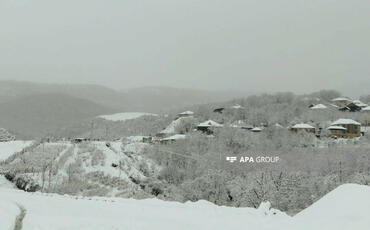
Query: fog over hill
(39, 114)
(33, 109)
(145, 99)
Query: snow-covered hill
(88, 168)
(55, 212)
(345, 208)
(9, 148)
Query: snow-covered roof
(174, 137)
(359, 103)
(343, 121)
(341, 99)
(335, 127)
(256, 129)
(366, 108)
(209, 123)
(302, 126)
(319, 106)
(187, 113)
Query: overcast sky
(277, 45)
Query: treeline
(196, 168)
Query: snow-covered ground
(9, 148)
(55, 212)
(115, 167)
(125, 116)
(347, 207)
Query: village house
(303, 127)
(337, 131)
(352, 128)
(208, 126)
(256, 130)
(351, 107)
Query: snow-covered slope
(99, 168)
(9, 148)
(347, 207)
(125, 116)
(55, 212)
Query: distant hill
(145, 99)
(32, 110)
(157, 99)
(40, 114)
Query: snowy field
(125, 116)
(347, 207)
(9, 148)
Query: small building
(303, 127)
(208, 126)
(171, 139)
(256, 129)
(337, 131)
(352, 128)
(353, 107)
(185, 114)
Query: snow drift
(347, 207)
